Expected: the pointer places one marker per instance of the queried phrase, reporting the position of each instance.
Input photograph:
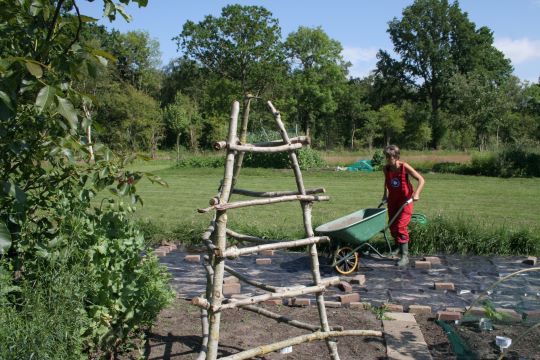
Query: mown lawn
(492, 202)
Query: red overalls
(399, 191)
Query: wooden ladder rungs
(269, 194)
(266, 201)
(234, 252)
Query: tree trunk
(352, 135)
(177, 147)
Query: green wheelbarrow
(351, 233)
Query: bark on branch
(256, 149)
(249, 281)
(234, 252)
(285, 319)
(203, 303)
(248, 238)
(240, 204)
(267, 194)
(265, 349)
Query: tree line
(444, 86)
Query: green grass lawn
(492, 202)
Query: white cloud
(362, 60)
(519, 50)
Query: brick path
(385, 283)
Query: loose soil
(481, 343)
(177, 333)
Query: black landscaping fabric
(385, 283)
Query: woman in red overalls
(397, 190)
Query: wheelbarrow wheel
(346, 260)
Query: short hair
(392, 151)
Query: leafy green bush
(202, 161)
(308, 158)
(43, 318)
(460, 236)
(378, 159)
(449, 167)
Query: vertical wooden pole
(306, 212)
(220, 239)
(243, 138)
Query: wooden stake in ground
(306, 212)
(220, 240)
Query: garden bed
(482, 344)
(177, 333)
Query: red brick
(332, 304)
(357, 305)
(348, 298)
(420, 309)
(531, 314)
(192, 258)
(164, 248)
(267, 252)
(229, 289)
(531, 260)
(477, 311)
(344, 286)
(394, 307)
(263, 261)
(444, 286)
(434, 260)
(230, 280)
(359, 279)
(273, 302)
(160, 252)
(448, 315)
(422, 264)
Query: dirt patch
(435, 338)
(177, 334)
(481, 343)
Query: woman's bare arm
(410, 170)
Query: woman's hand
(416, 197)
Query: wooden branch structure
(255, 148)
(285, 319)
(276, 193)
(205, 304)
(265, 349)
(249, 281)
(265, 201)
(234, 252)
(248, 238)
(213, 303)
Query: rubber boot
(404, 259)
(394, 253)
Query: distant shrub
(378, 159)
(510, 162)
(202, 161)
(449, 167)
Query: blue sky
(360, 26)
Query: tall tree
(392, 122)
(434, 40)
(319, 72)
(243, 45)
(182, 117)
